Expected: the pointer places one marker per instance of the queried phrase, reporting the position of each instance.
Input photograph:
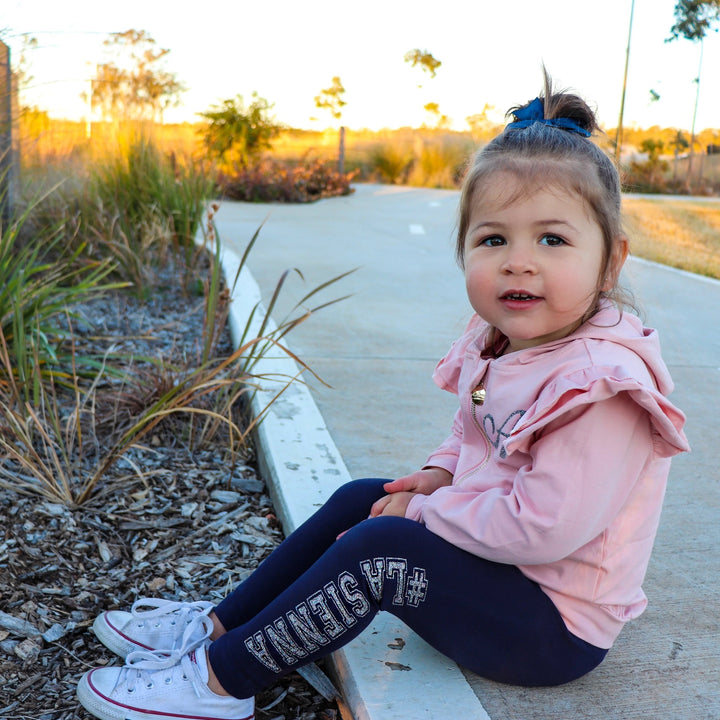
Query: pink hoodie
(562, 470)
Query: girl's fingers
(378, 506)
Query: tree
(693, 20)
(239, 134)
(481, 126)
(428, 64)
(332, 98)
(424, 59)
(442, 122)
(138, 87)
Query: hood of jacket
(611, 353)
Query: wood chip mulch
(192, 528)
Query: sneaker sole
(106, 709)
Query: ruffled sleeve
(594, 384)
(447, 371)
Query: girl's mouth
(519, 297)
(519, 301)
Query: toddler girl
(519, 549)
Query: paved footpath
(383, 413)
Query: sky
(491, 52)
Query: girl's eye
(492, 241)
(552, 241)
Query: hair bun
(562, 109)
(566, 105)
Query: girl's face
(533, 265)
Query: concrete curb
(380, 678)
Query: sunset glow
(290, 52)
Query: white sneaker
(153, 686)
(159, 627)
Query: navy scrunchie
(535, 111)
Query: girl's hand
(395, 504)
(423, 482)
(401, 491)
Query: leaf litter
(167, 522)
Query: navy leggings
(315, 593)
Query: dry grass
(675, 231)
(678, 232)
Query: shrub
(151, 198)
(139, 207)
(391, 162)
(238, 134)
(271, 181)
(63, 442)
(67, 419)
(40, 282)
(646, 176)
(439, 161)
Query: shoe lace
(159, 609)
(142, 665)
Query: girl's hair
(546, 155)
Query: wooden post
(689, 182)
(6, 145)
(619, 131)
(341, 152)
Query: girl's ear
(617, 260)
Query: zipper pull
(478, 395)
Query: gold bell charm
(478, 395)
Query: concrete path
(377, 350)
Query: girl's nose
(519, 260)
